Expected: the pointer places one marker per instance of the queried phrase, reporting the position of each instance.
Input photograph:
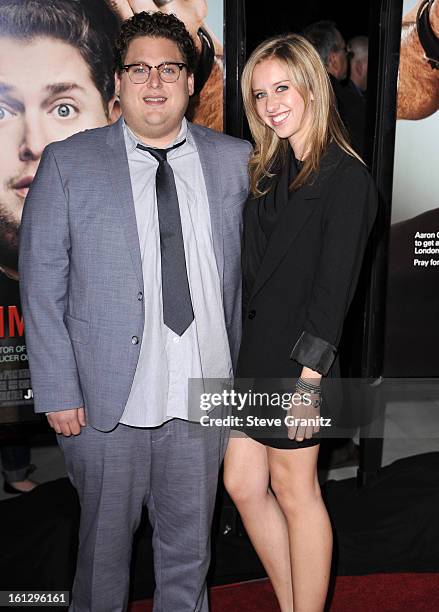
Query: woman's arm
(311, 375)
(348, 219)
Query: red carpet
(372, 593)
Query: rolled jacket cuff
(313, 352)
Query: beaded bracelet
(303, 385)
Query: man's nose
(154, 78)
(33, 141)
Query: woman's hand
(303, 416)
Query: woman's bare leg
(246, 478)
(294, 481)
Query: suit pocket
(79, 331)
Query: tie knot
(160, 154)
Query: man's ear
(332, 65)
(114, 110)
(190, 84)
(117, 84)
(363, 69)
(356, 69)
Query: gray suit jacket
(80, 266)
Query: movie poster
(56, 79)
(412, 330)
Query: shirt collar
(131, 141)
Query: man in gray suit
(130, 268)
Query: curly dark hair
(155, 25)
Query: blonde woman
(306, 225)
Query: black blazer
(294, 312)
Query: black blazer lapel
(298, 210)
(291, 221)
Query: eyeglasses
(169, 72)
(345, 50)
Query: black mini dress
(263, 415)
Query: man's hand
(125, 9)
(434, 17)
(191, 12)
(67, 422)
(303, 418)
(418, 88)
(410, 17)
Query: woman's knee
(243, 488)
(293, 498)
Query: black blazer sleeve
(349, 215)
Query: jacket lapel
(209, 158)
(299, 208)
(291, 221)
(119, 172)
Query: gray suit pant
(173, 470)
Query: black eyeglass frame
(180, 65)
(345, 50)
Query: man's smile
(155, 100)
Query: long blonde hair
(308, 75)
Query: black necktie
(177, 306)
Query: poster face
(412, 330)
(56, 79)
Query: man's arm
(418, 88)
(44, 274)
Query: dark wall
(282, 16)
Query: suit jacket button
(134, 340)
(140, 296)
(252, 314)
